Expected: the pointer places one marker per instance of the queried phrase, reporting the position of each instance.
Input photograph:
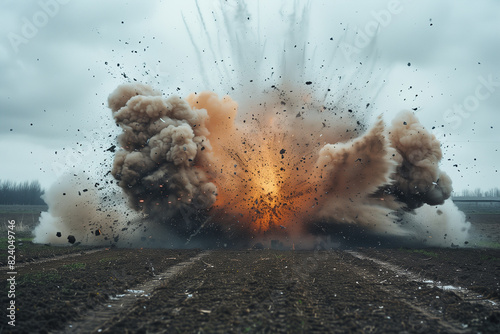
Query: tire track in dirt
(56, 258)
(449, 325)
(52, 294)
(233, 292)
(464, 293)
(100, 318)
(351, 297)
(285, 292)
(273, 291)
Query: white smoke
(77, 214)
(440, 226)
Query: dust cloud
(272, 173)
(76, 216)
(418, 177)
(281, 159)
(83, 212)
(196, 166)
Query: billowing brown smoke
(418, 177)
(353, 173)
(161, 140)
(273, 170)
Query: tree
(23, 193)
(493, 192)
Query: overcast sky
(60, 59)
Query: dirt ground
(262, 291)
(368, 290)
(48, 294)
(273, 291)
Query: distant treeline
(494, 192)
(27, 193)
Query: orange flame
(261, 184)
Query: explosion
(284, 158)
(275, 171)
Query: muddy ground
(372, 290)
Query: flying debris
(278, 162)
(250, 189)
(71, 239)
(111, 149)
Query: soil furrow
(272, 291)
(240, 291)
(50, 294)
(450, 311)
(55, 258)
(462, 292)
(477, 270)
(101, 317)
(421, 308)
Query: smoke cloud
(282, 161)
(274, 172)
(82, 211)
(161, 141)
(79, 214)
(418, 177)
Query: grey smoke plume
(352, 173)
